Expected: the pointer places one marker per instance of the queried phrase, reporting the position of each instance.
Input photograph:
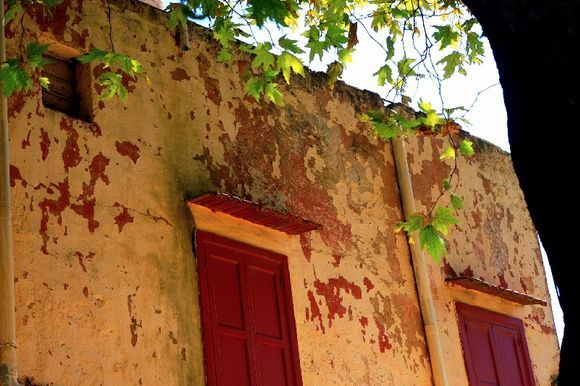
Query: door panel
(234, 364)
(479, 337)
(226, 292)
(494, 347)
(247, 314)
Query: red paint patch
(97, 171)
(123, 218)
(54, 21)
(315, 310)
(81, 262)
(502, 282)
(368, 284)
(384, 343)
(523, 284)
(52, 207)
(71, 156)
(179, 74)
(337, 259)
(306, 247)
(94, 128)
(447, 269)
(87, 210)
(133, 329)
(128, 149)
(212, 85)
(16, 176)
(86, 291)
(331, 292)
(467, 272)
(26, 142)
(364, 321)
(16, 102)
(44, 143)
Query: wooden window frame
(201, 241)
(465, 312)
(80, 107)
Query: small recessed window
(67, 90)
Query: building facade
(193, 236)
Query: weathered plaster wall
(105, 275)
(495, 241)
(107, 286)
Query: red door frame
(201, 241)
(496, 319)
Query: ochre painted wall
(495, 241)
(106, 282)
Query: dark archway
(534, 43)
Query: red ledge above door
(504, 293)
(254, 213)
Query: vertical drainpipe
(8, 368)
(434, 342)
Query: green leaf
(335, 35)
(452, 63)
(177, 15)
(317, 47)
(475, 49)
(263, 56)
(466, 148)
(448, 153)
(456, 202)
(380, 20)
(13, 78)
(425, 106)
(35, 52)
(443, 219)
(446, 185)
(271, 91)
(404, 67)
(255, 87)
(431, 241)
(468, 24)
(288, 63)
(446, 35)
(94, 55)
(390, 48)
(334, 71)
(385, 130)
(263, 10)
(432, 119)
(345, 55)
(384, 74)
(290, 45)
(113, 85)
(413, 224)
(12, 11)
(225, 55)
(44, 82)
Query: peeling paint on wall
(106, 283)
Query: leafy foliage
(117, 65)
(466, 148)
(13, 78)
(35, 53)
(432, 242)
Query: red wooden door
(248, 321)
(494, 347)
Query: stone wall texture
(106, 280)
